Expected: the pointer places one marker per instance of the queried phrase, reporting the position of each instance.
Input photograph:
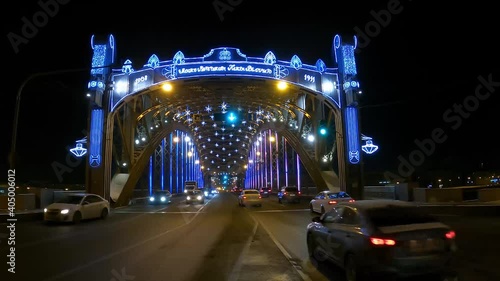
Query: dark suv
(289, 194)
(265, 191)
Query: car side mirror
(316, 219)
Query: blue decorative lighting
(224, 62)
(369, 147)
(96, 132)
(153, 61)
(150, 175)
(98, 59)
(353, 146)
(127, 67)
(179, 58)
(349, 60)
(225, 54)
(320, 66)
(270, 58)
(295, 62)
(78, 150)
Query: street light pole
(12, 158)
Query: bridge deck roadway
(215, 241)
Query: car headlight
(65, 211)
(185, 191)
(151, 199)
(188, 198)
(45, 210)
(163, 198)
(199, 197)
(206, 193)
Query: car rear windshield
(338, 195)
(291, 189)
(398, 216)
(251, 192)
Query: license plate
(428, 245)
(292, 194)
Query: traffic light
(228, 117)
(323, 128)
(231, 117)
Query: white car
(250, 197)
(76, 207)
(326, 200)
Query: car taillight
(284, 193)
(260, 197)
(299, 192)
(244, 197)
(450, 234)
(352, 200)
(382, 241)
(331, 202)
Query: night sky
(414, 66)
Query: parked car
(387, 238)
(75, 207)
(289, 194)
(250, 197)
(195, 196)
(326, 200)
(160, 197)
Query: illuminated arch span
(309, 164)
(143, 160)
(167, 107)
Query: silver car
(381, 237)
(326, 200)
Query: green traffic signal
(323, 128)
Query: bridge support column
(350, 153)
(100, 149)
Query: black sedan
(382, 237)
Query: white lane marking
(281, 211)
(235, 273)
(155, 212)
(444, 215)
(304, 276)
(76, 233)
(108, 256)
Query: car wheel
(322, 210)
(77, 217)
(104, 213)
(351, 273)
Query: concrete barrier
(463, 210)
(23, 202)
(489, 194)
(438, 195)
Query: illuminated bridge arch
(218, 100)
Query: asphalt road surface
(215, 241)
